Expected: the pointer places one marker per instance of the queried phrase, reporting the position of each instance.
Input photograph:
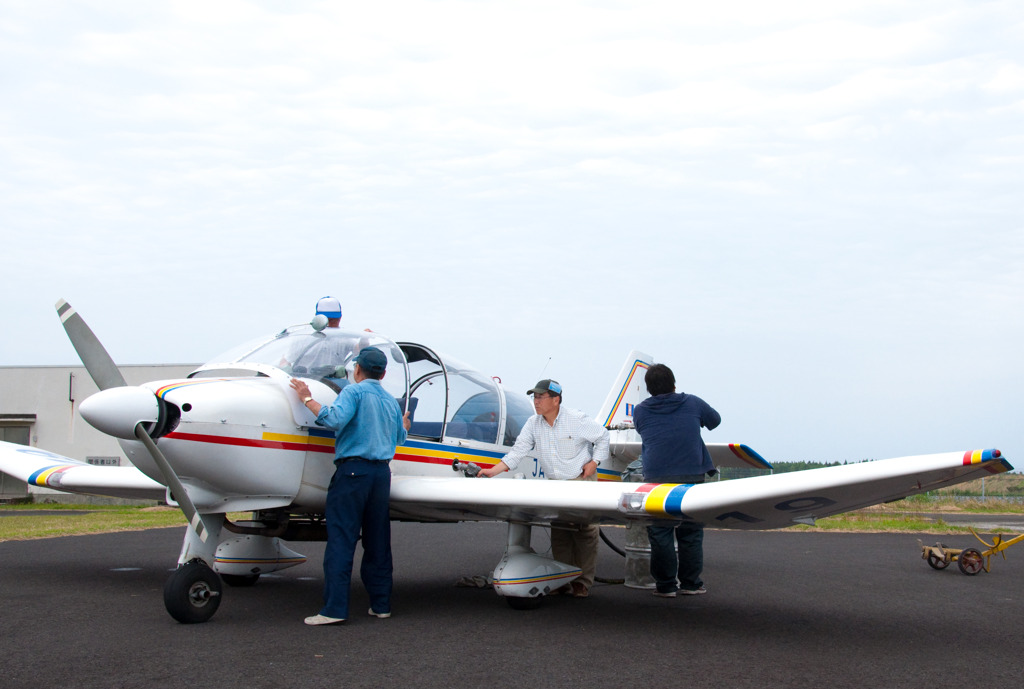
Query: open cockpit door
(428, 391)
(452, 401)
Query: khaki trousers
(576, 544)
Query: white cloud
(815, 204)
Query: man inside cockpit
(330, 307)
(325, 355)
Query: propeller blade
(195, 519)
(98, 363)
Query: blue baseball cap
(330, 307)
(372, 360)
(546, 385)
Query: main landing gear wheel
(937, 562)
(971, 561)
(524, 603)
(192, 593)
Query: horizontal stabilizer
(736, 456)
(626, 446)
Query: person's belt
(342, 460)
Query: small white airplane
(234, 437)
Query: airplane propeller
(117, 401)
(98, 363)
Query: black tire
(240, 580)
(938, 562)
(192, 593)
(971, 561)
(524, 603)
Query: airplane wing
(762, 502)
(41, 468)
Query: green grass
(98, 519)
(940, 503)
(866, 522)
(896, 517)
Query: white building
(39, 407)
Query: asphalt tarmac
(784, 609)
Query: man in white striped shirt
(569, 446)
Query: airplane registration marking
(625, 386)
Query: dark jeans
(674, 569)
(358, 499)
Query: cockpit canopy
(445, 398)
(478, 408)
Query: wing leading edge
(762, 502)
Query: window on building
(10, 487)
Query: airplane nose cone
(117, 411)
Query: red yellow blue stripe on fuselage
(177, 385)
(317, 440)
(439, 453)
(323, 441)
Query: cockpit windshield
(445, 398)
(303, 352)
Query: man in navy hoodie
(672, 450)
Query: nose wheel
(192, 593)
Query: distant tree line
(778, 468)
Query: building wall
(39, 404)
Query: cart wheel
(938, 562)
(971, 561)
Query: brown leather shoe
(562, 591)
(579, 590)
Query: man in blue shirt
(368, 425)
(672, 450)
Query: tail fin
(627, 392)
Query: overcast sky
(811, 211)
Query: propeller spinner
(121, 410)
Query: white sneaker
(665, 594)
(317, 620)
(380, 615)
(693, 592)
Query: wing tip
(748, 455)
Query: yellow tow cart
(970, 560)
